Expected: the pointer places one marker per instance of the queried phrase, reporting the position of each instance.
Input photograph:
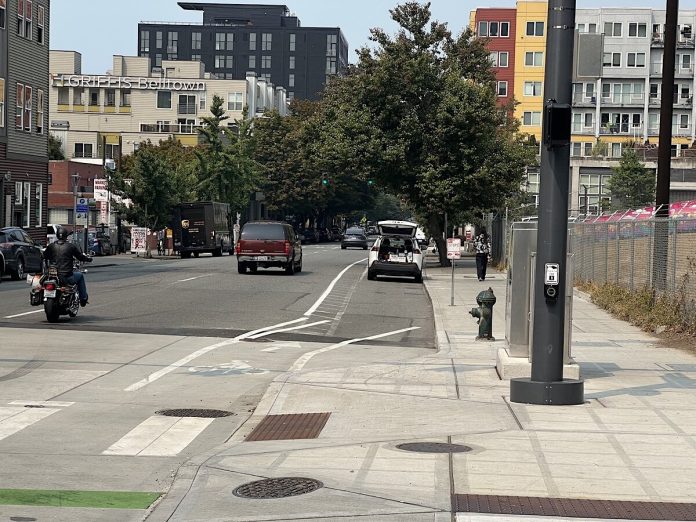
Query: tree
(418, 114)
(631, 185)
(55, 148)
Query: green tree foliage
(55, 148)
(631, 184)
(227, 170)
(418, 114)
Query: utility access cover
(277, 487)
(433, 447)
(187, 412)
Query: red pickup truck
(268, 244)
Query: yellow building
(530, 48)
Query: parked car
(396, 252)
(336, 234)
(310, 235)
(265, 244)
(19, 254)
(372, 230)
(323, 235)
(99, 245)
(354, 238)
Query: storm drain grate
(289, 426)
(277, 487)
(433, 447)
(573, 507)
(186, 412)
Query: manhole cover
(277, 487)
(186, 412)
(433, 447)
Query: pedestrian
(483, 252)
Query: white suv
(396, 251)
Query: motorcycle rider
(62, 254)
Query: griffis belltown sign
(127, 82)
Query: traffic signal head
(370, 182)
(325, 181)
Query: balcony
(622, 129)
(617, 98)
(679, 70)
(169, 128)
(685, 43)
(580, 100)
(658, 40)
(579, 128)
(186, 108)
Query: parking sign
(454, 245)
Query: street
(79, 400)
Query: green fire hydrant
(484, 313)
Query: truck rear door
(193, 229)
(262, 239)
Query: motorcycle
(58, 297)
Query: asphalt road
(79, 400)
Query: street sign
(551, 274)
(103, 214)
(101, 192)
(82, 205)
(138, 239)
(454, 245)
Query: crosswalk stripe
(159, 436)
(14, 419)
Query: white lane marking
(159, 436)
(15, 419)
(192, 278)
(185, 360)
(299, 327)
(25, 313)
(300, 363)
(323, 296)
(56, 404)
(280, 345)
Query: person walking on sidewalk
(483, 252)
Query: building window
(635, 60)
(331, 43)
(64, 96)
(235, 101)
(219, 41)
(41, 12)
(531, 118)
(502, 88)
(195, 41)
(187, 104)
(20, 17)
(532, 88)
(26, 202)
(125, 98)
(230, 41)
(28, 16)
(202, 98)
(493, 29)
(2, 14)
(144, 42)
(535, 29)
(291, 80)
(612, 29)
(219, 61)
(291, 64)
(172, 42)
(503, 58)
(252, 41)
(39, 111)
(83, 150)
(266, 41)
(265, 77)
(164, 99)
(293, 38)
(229, 61)
(534, 59)
(94, 97)
(2, 100)
(158, 60)
(19, 112)
(252, 61)
(483, 29)
(265, 62)
(39, 205)
(291, 95)
(330, 65)
(158, 40)
(110, 100)
(598, 195)
(637, 30)
(611, 60)
(504, 29)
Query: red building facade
(61, 197)
(498, 25)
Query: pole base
(559, 393)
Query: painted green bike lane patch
(86, 499)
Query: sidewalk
(633, 440)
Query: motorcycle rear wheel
(52, 310)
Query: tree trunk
(435, 228)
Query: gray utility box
(519, 298)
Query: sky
(98, 29)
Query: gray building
(238, 38)
(24, 44)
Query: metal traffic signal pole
(546, 385)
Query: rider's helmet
(62, 233)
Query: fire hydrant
(484, 313)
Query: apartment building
(238, 38)
(104, 116)
(24, 41)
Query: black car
(354, 238)
(19, 254)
